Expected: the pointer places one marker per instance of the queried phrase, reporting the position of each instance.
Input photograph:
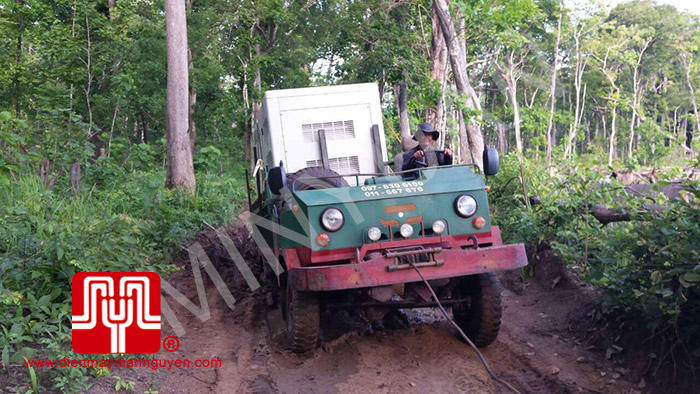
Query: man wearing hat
(421, 154)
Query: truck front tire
(480, 317)
(302, 313)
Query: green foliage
(650, 265)
(207, 158)
(122, 384)
(130, 224)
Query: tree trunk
(144, 129)
(508, 76)
(75, 177)
(578, 76)
(438, 70)
(16, 82)
(465, 152)
(110, 5)
(192, 99)
(247, 156)
(180, 169)
(513, 98)
(687, 63)
(501, 136)
(636, 96)
(611, 151)
(553, 89)
(402, 109)
(476, 139)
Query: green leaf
(4, 115)
(16, 329)
(33, 378)
(44, 301)
(693, 277)
(6, 355)
(665, 293)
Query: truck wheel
(480, 317)
(312, 178)
(303, 319)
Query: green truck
(351, 233)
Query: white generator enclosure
(341, 124)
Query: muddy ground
(544, 346)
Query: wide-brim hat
(426, 128)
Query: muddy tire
(302, 313)
(480, 317)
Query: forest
(583, 101)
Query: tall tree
(581, 31)
(180, 168)
(192, 97)
(637, 91)
(553, 89)
(464, 88)
(438, 71)
(608, 51)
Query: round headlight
(465, 205)
(438, 226)
(332, 219)
(406, 230)
(374, 233)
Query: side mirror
(491, 163)
(277, 179)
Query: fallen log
(608, 215)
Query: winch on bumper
(384, 263)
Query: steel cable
(466, 338)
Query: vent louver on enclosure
(341, 165)
(339, 130)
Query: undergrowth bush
(649, 266)
(129, 223)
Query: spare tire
(314, 178)
(310, 178)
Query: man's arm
(409, 160)
(446, 158)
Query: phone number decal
(392, 189)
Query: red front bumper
(375, 272)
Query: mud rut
(409, 351)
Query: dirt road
(410, 351)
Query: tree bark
(464, 88)
(180, 172)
